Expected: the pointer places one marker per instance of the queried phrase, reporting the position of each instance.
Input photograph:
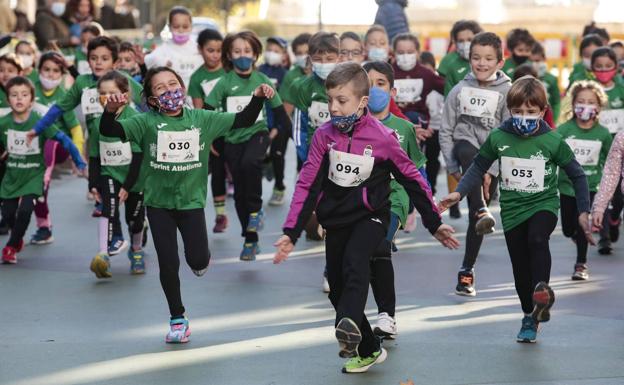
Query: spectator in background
(78, 13)
(118, 14)
(391, 15)
(49, 27)
(7, 18)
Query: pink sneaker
(9, 255)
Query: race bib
(207, 86)
(318, 114)
(586, 152)
(408, 90)
(612, 119)
(349, 170)
(238, 103)
(90, 102)
(17, 144)
(83, 67)
(115, 153)
(523, 175)
(41, 109)
(478, 102)
(178, 146)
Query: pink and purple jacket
(338, 206)
(611, 174)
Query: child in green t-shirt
(519, 43)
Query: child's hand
(123, 195)
(444, 235)
(115, 101)
(448, 201)
(30, 135)
(284, 247)
(584, 222)
(139, 54)
(597, 220)
(264, 90)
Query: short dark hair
(346, 73)
(179, 10)
(207, 35)
(54, 57)
(383, 68)
(524, 70)
(617, 43)
(519, 36)
(147, 83)
(591, 39)
(301, 39)
(592, 28)
(538, 49)
(106, 42)
(126, 46)
(120, 80)
(324, 42)
(249, 36)
(405, 36)
(21, 81)
(604, 51)
(527, 89)
(488, 39)
(463, 25)
(12, 59)
(427, 57)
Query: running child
(455, 65)
(520, 43)
(347, 178)
(377, 44)
(175, 142)
(528, 153)
(27, 52)
(583, 69)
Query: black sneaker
(454, 212)
(543, 299)
(465, 283)
(42, 236)
(604, 246)
(349, 337)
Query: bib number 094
(347, 169)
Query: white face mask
(57, 8)
(407, 61)
(49, 84)
(301, 61)
(463, 49)
(322, 70)
(540, 68)
(27, 61)
(272, 58)
(377, 54)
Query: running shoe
(485, 222)
(614, 229)
(100, 265)
(256, 222)
(362, 364)
(137, 261)
(221, 224)
(349, 337)
(604, 246)
(454, 212)
(42, 236)
(543, 299)
(250, 250)
(277, 199)
(9, 255)
(385, 327)
(581, 273)
(528, 331)
(465, 283)
(117, 245)
(179, 331)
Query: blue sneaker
(528, 331)
(250, 250)
(137, 263)
(117, 245)
(42, 236)
(179, 331)
(256, 222)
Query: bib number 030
(178, 146)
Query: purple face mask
(171, 101)
(180, 38)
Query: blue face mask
(377, 54)
(378, 100)
(243, 63)
(345, 123)
(525, 124)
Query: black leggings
(431, 147)
(164, 224)
(16, 212)
(245, 163)
(465, 152)
(530, 254)
(572, 229)
(134, 209)
(217, 168)
(348, 253)
(278, 152)
(382, 271)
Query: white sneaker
(386, 326)
(325, 285)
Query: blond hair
(567, 105)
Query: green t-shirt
(554, 95)
(25, 165)
(590, 148)
(455, 69)
(579, 72)
(309, 96)
(528, 172)
(4, 103)
(33, 76)
(203, 81)
(616, 96)
(43, 102)
(116, 156)
(232, 93)
(399, 200)
(285, 89)
(510, 67)
(176, 167)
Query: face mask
(605, 77)
(272, 58)
(345, 124)
(49, 84)
(171, 101)
(525, 124)
(322, 70)
(541, 68)
(587, 63)
(27, 60)
(180, 38)
(463, 49)
(407, 61)
(301, 61)
(243, 63)
(58, 8)
(377, 54)
(378, 100)
(585, 112)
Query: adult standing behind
(78, 14)
(50, 27)
(118, 14)
(391, 14)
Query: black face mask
(519, 59)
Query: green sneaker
(362, 364)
